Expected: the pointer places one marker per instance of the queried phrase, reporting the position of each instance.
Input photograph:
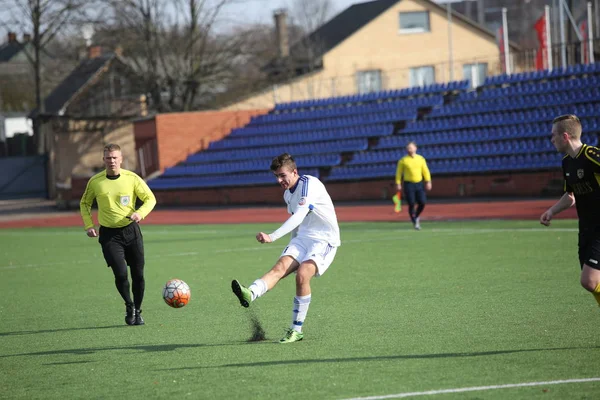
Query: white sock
(301, 304)
(258, 288)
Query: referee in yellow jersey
(412, 169)
(116, 191)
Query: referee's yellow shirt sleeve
(85, 205)
(426, 173)
(399, 169)
(144, 193)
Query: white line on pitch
(15, 266)
(448, 232)
(474, 389)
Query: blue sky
(240, 11)
(261, 11)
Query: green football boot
(292, 336)
(243, 293)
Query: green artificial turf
(456, 305)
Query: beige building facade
(404, 46)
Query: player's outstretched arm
(566, 201)
(288, 226)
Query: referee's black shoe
(138, 318)
(129, 314)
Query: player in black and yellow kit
(413, 170)
(581, 171)
(116, 191)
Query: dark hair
(569, 123)
(412, 142)
(283, 160)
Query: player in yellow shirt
(116, 191)
(412, 169)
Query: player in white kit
(315, 237)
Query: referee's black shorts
(589, 246)
(122, 244)
(414, 192)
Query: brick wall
(502, 185)
(182, 134)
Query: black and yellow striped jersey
(582, 178)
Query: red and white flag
(541, 59)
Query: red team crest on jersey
(302, 201)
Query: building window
(414, 22)
(421, 76)
(475, 73)
(368, 81)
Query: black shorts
(414, 192)
(120, 244)
(589, 247)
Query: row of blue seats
(350, 121)
(510, 162)
(473, 136)
(385, 94)
(367, 108)
(303, 137)
(583, 100)
(335, 146)
(406, 113)
(463, 150)
(545, 74)
(454, 166)
(308, 161)
(408, 105)
(525, 102)
(494, 119)
(260, 178)
(563, 85)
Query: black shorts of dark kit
(122, 247)
(589, 246)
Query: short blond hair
(112, 147)
(569, 123)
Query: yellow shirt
(116, 199)
(414, 169)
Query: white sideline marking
(448, 231)
(474, 389)
(15, 266)
(477, 230)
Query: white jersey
(321, 221)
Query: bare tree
(175, 46)
(310, 15)
(45, 19)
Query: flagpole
(505, 39)
(548, 38)
(450, 49)
(590, 33)
(563, 45)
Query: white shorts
(322, 253)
